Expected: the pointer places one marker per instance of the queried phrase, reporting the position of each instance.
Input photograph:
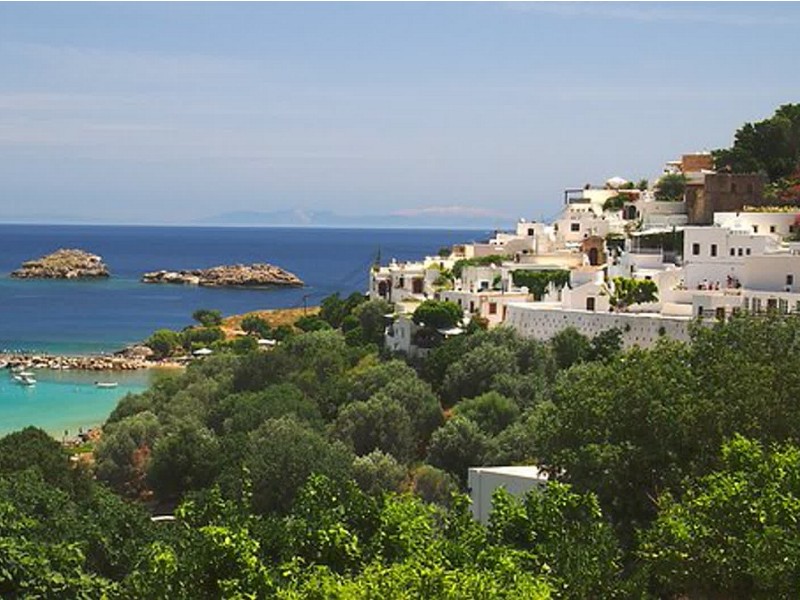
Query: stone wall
(542, 322)
(723, 192)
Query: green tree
(624, 429)
(377, 473)
(437, 314)
(32, 448)
(282, 453)
(733, 533)
(538, 282)
(606, 344)
(566, 534)
(193, 337)
(371, 317)
(570, 347)
(183, 460)
(380, 423)
(491, 411)
(245, 411)
(123, 453)
(255, 325)
(481, 261)
(628, 291)
(671, 187)
(207, 317)
(311, 323)
(476, 371)
(164, 342)
(771, 146)
(433, 485)
(457, 446)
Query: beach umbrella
(203, 352)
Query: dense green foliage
(628, 291)
(771, 146)
(208, 317)
(538, 282)
(437, 314)
(671, 187)
(324, 468)
(482, 261)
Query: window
(757, 305)
(755, 228)
(747, 303)
(772, 228)
(739, 251)
(783, 306)
(790, 279)
(747, 251)
(574, 226)
(695, 249)
(590, 303)
(733, 251)
(713, 249)
(530, 231)
(699, 311)
(492, 308)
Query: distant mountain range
(437, 217)
(449, 217)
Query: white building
(483, 481)
(412, 280)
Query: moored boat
(106, 384)
(24, 379)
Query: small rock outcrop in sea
(63, 264)
(254, 275)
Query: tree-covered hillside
(326, 468)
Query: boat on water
(26, 374)
(24, 379)
(106, 384)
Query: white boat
(26, 374)
(24, 380)
(106, 384)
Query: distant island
(442, 217)
(65, 263)
(255, 275)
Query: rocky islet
(65, 263)
(255, 275)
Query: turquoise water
(78, 317)
(63, 400)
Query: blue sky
(150, 112)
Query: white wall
(777, 223)
(733, 248)
(542, 321)
(769, 273)
(483, 481)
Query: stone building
(723, 192)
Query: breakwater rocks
(77, 363)
(64, 264)
(255, 275)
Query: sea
(95, 317)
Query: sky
(174, 112)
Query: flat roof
(525, 471)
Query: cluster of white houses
(719, 249)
